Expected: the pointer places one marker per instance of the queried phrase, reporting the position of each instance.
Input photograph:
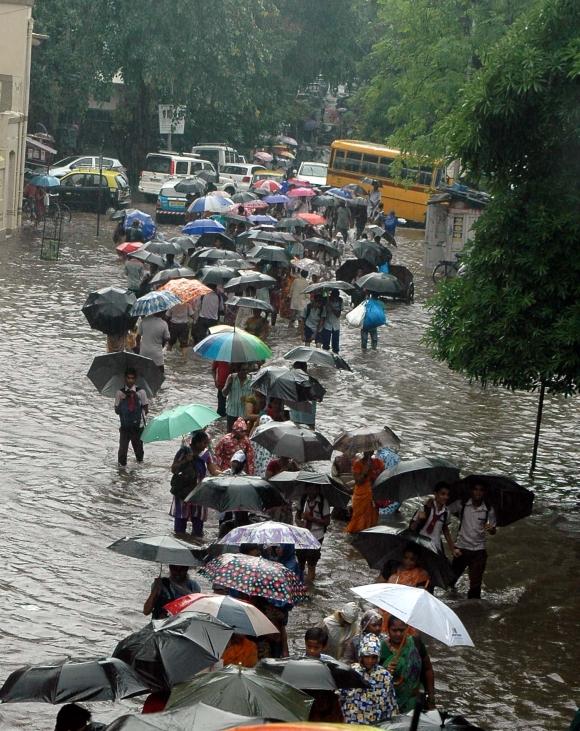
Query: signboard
(171, 119)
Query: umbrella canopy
(196, 717)
(413, 478)
(263, 156)
(286, 439)
(165, 275)
(148, 257)
(185, 242)
(319, 286)
(72, 682)
(276, 199)
(173, 650)
(344, 195)
(301, 193)
(294, 485)
(383, 544)
(255, 577)
(154, 302)
(136, 219)
(243, 617)
(244, 197)
(251, 279)
(255, 205)
(212, 254)
(307, 673)
(371, 251)
(236, 492)
(509, 500)
(45, 181)
(317, 357)
(307, 265)
(180, 420)
(128, 247)
(419, 609)
(191, 186)
(214, 202)
(366, 439)
(291, 223)
(270, 532)
(263, 252)
(271, 237)
(216, 275)
(266, 186)
(284, 139)
(107, 373)
(315, 243)
(353, 268)
(203, 226)
(109, 310)
(314, 219)
(186, 290)
(162, 247)
(159, 549)
(216, 240)
(251, 303)
(355, 189)
(245, 691)
(263, 218)
(290, 384)
(235, 346)
(380, 283)
(325, 201)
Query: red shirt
(221, 371)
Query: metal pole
(538, 425)
(169, 142)
(100, 192)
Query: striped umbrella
(203, 226)
(243, 617)
(154, 302)
(236, 346)
(214, 202)
(267, 186)
(185, 290)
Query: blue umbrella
(143, 222)
(263, 218)
(45, 181)
(346, 195)
(153, 302)
(276, 198)
(216, 203)
(203, 226)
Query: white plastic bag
(355, 317)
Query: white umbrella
(419, 609)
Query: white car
(68, 164)
(241, 173)
(313, 172)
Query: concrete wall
(15, 47)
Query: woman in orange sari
(365, 471)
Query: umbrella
(196, 717)
(191, 186)
(269, 533)
(263, 156)
(107, 373)
(275, 199)
(210, 240)
(180, 420)
(317, 357)
(269, 253)
(108, 310)
(208, 175)
(355, 189)
(255, 576)
(292, 222)
(345, 195)
(245, 691)
(136, 219)
(153, 302)
(289, 384)
(244, 197)
(234, 217)
(301, 193)
(203, 226)
(314, 219)
(262, 218)
(509, 500)
(214, 202)
(251, 303)
(307, 265)
(307, 673)
(186, 242)
(45, 181)
(287, 140)
(371, 251)
(235, 346)
(128, 247)
(163, 248)
(413, 478)
(271, 237)
(216, 275)
(315, 242)
(174, 273)
(251, 279)
(243, 617)
(366, 439)
(148, 257)
(338, 284)
(94, 680)
(236, 492)
(186, 290)
(286, 439)
(350, 269)
(325, 201)
(255, 205)
(296, 484)
(212, 254)
(419, 609)
(380, 283)
(159, 549)
(173, 650)
(266, 186)
(383, 544)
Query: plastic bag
(355, 317)
(374, 315)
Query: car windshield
(64, 161)
(318, 171)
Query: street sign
(171, 119)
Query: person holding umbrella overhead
(153, 335)
(168, 588)
(131, 405)
(365, 470)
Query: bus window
(384, 169)
(339, 160)
(370, 166)
(353, 161)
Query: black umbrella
(509, 500)
(244, 197)
(289, 384)
(315, 242)
(159, 549)
(331, 284)
(286, 439)
(162, 247)
(251, 279)
(107, 373)
(108, 310)
(317, 357)
(325, 201)
(236, 492)
(413, 478)
(185, 242)
(371, 251)
(196, 717)
(148, 257)
(211, 254)
(271, 237)
(307, 673)
(191, 186)
(207, 175)
(250, 302)
(383, 544)
(291, 223)
(94, 680)
(294, 485)
(269, 253)
(235, 217)
(216, 275)
(209, 241)
(380, 283)
(165, 275)
(175, 649)
(366, 439)
(351, 268)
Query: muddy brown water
(63, 500)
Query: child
(315, 641)
(432, 520)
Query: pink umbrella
(301, 193)
(263, 156)
(253, 206)
(267, 186)
(314, 219)
(299, 183)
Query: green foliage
(514, 319)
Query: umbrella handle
(419, 705)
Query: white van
(219, 153)
(159, 166)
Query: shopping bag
(374, 315)
(355, 317)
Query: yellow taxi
(80, 189)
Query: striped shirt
(238, 390)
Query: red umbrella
(267, 186)
(298, 182)
(253, 206)
(314, 219)
(129, 247)
(301, 193)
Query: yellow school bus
(404, 190)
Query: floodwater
(63, 500)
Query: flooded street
(64, 500)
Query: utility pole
(100, 196)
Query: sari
(364, 511)
(407, 671)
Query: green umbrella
(244, 691)
(178, 421)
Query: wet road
(63, 499)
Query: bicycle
(445, 269)
(56, 209)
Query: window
(122, 184)
(181, 168)
(63, 162)
(91, 181)
(108, 162)
(370, 165)
(73, 181)
(83, 162)
(232, 170)
(353, 161)
(313, 169)
(384, 167)
(338, 161)
(158, 164)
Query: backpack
(130, 410)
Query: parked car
(313, 172)
(160, 166)
(80, 189)
(67, 164)
(241, 173)
(171, 203)
(219, 153)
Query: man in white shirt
(209, 313)
(153, 335)
(476, 521)
(179, 317)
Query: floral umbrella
(186, 289)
